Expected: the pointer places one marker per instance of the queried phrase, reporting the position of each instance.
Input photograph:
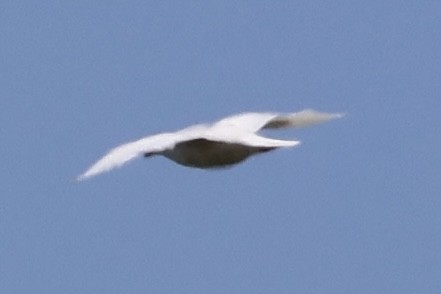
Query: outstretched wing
(255, 121)
(303, 118)
(249, 122)
(124, 153)
(253, 140)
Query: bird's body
(214, 154)
(221, 144)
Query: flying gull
(220, 144)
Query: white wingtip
(86, 175)
(126, 152)
(336, 115)
(115, 158)
(319, 115)
(311, 117)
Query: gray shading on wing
(303, 118)
(255, 121)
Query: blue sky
(354, 209)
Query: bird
(216, 145)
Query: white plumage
(220, 144)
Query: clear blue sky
(355, 209)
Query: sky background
(355, 209)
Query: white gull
(220, 144)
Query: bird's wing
(254, 140)
(255, 121)
(303, 118)
(249, 122)
(126, 152)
